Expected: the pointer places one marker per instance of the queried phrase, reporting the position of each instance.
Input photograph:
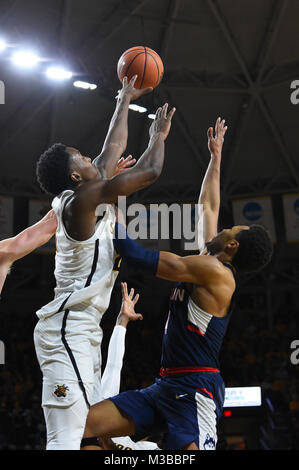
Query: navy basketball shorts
(186, 408)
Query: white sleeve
(110, 382)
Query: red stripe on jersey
(185, 370)
(204, 390)
(194, 329)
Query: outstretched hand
(162, 121)
(131, 92)
(128, 306)
(215, 143)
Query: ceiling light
(151, 116)
(85, 85)
(58, 73)
(135, 107)
(25, 59)
(3, 45)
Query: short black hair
(255, 249)
(53, 169)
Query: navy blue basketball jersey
(192, 338)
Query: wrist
(156, 136)
(124, 98)
(123, 321)
(216, 157)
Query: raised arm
(110, 383)
(145, 171)
(209, 198)
(116, 140)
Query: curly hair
(53, 170)
(255, 250)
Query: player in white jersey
(68, 336)
(35, 236)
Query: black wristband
(90, 441)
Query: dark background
(222, 58)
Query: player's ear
(232, 247)
(75, 177)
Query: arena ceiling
(228, 58)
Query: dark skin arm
(205, 273)
(116, 140)
(79, 214)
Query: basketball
(145, 63)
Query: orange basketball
(145, 63)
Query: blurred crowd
(253, 353)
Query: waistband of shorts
(164, 371)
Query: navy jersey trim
(94, 263)
(72, 358)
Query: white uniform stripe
(198, 317)
(206, 418)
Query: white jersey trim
(198, 317)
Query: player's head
(250, 248)
(61, 167)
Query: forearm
(153, 157)
(209, 196)
(31, 238)
(144, 173)
(110, 382)
(116, 140)
(133, 253)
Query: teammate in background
(68, 340)
(15, 248)
(189, 393)
(25, 242)
(110, 383)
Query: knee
(93, 426)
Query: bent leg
(105, 419)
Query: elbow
(153, 174)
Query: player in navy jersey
(187, 398)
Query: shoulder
(214, 270)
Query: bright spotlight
(151, 116)
(3, 45)
(135, 107)
(85, 85)
(58, 73)
(26, 59)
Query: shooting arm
(116, 140)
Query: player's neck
(224, 258)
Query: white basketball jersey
(85, 271)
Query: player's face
(221, 240)
(82, 166)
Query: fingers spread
(171, 113)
